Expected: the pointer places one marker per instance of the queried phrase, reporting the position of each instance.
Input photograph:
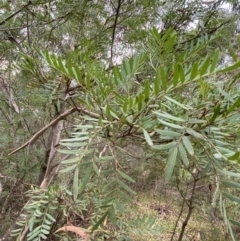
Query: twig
(114, 27)
(208, 32)
(180, 213)
(190, 209)
(35, 137)
(15, 13)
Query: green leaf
(230, 68)
(68, 169)
(194, 133)
(183, 154)
(33, 234)
(139, 100)
(147, 138)
(96, 168)
(156, 34)
(16, 232)
(38, 213)
(112, 216)
(196, 121)
(31, 223)
(85, 180)
(216, 113)
(54, 61)
(164, 147)
(235, 222)
(205, 66)
(224, 213)
(163, 78)
(119, 78)
(100, 221)
(74, 144)
(43, 236)
(171, 162)
(235, 156)
(68, 161)
(188, 145)
(70, 68)
(21, 224)
(125, 176)
(106, 158)
(168, 133)
(124, 186)
(228, 96)
(221, 203)
(234, 106)
(47, 222)
(146, 89)
(70, 151)
(125, 106)
(175, 75)
(238, 40)
(88, 81)
(231, 174)
(75, 184)
(124, 196)
(233, 236)
(110, 184)
(83, 127)
(181, 73)
(156, 86)
(114, 114)
(107, 172)
(61, 65)
(232, 52)
(108, 114)
(47, 57)
(126, 67)
(231, 184)
(206, 169)
(171, 124)
(215, 60)
(77, 74)
(177, 103)
(168, 116)
(194, 71)
(232, 197)
(50, 217)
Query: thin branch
(181, 211)
(211, 31)
(35, 137)
(15, 13)
(115, 26)
(6, 116)
(28, 31)
(190, 208)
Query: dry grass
(164, 203)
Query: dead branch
(35, 137)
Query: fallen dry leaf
(76, 230)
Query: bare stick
(15, 13)
(53, 122)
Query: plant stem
(190, 209)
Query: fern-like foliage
(39, 215)
(184, 111)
